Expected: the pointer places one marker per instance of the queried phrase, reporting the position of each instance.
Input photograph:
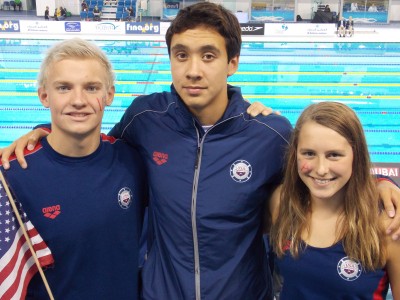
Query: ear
(43, 97)
(110, 95)
(233, 65)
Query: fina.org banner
(300, 29)
(9, 26)
(143, 28)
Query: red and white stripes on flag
(17, 265)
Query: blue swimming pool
(285, 76)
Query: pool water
(285, 76)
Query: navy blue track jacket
(207, 194)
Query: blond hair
(79, 49)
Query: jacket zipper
(194, 220)
(194, 205)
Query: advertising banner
(104, 27)
(387, 169)
(252, 29)
(142, 28)
(42, 27)
(170, 10)
(9, 26)
(300, 29)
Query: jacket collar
(236, 105)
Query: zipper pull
(197, 158)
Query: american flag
(17, 265)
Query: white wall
(304, 8)
(156, 7)
(394, 10)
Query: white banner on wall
(73, 27)
(104, 27)
(41, 27)
(300, 29)
(118, 28)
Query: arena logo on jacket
(51, 212)
(160, 158)
(348, 269)
(125, 198)
(241, 171)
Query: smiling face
(324, 161)
(76, 93)
(200, 68)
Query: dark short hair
(209, 15)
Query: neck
(73, 146)
(326, 208)
(324, 222)
(211, 114)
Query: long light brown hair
(360, 232)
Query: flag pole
(28, 240)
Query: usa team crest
(241, 171)
(348, 269)
(125, 198)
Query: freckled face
(324, 161)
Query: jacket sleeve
(118, 130)
(124, 129)
(387, 178)
(46, 127)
